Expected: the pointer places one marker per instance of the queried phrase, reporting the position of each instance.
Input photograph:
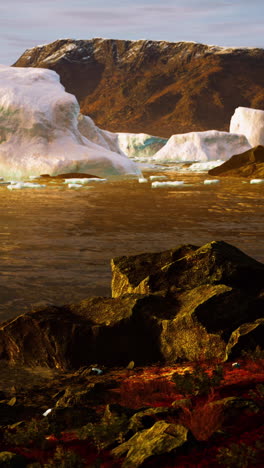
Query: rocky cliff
(156, 87)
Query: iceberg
(140, 145)
(249, 122)
(205, 146)
(40, 132)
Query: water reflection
(56, 243)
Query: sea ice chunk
(175, 183)
(202, 146)
(84, 180)
(249, 122)
(158, 177)
(39, 130)
(204, 166)
(257, 181)
(211, 181)
(75, 186)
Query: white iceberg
(108, 140)
(257, 181)
(140, 145)
(202, 146)
(175, 183)
(249, 122)
(39, 130)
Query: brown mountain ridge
(156, 87)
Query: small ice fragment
(257, 181)
(158, 177)
(175, 183)
(211, 181)
(32, 177)
(74, 186)
(47, 412)
(22, 185)
(142, 180)
(84, 180)
(97, 371)
(235, 365)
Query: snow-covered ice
(175, 183)
(39, 130)
(140, 145)
(211, 181)
(257, 181)
(249, 122)
(210, 145)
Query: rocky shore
(159, 373)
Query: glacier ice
(202, 146)
(249, 122)
(140, 145)
(39, 131)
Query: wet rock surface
(169, 306)
(247, 164)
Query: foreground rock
(40, 132)
(248, 164)
(155, 87)
(181, 304)
(160, 438)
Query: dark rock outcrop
(162, 437)
(247, 164)
(157, 87)
(181, 304)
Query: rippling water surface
(56, 243)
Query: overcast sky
(26, 23)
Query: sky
(27, 23)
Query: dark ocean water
(56, 243)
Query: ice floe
(257, 181)
(158, 177)
(142, 180)
(23, 185)
(204, 166)
(210, 145)
(175, 183)
(39, 131)
(84, 180)
(249, 122)
(211, 181)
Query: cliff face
(156, 87)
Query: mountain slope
(156, 87)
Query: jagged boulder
(160, 438)
(181, 304)
(214, 263)
(247, 164)
(246, 337)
